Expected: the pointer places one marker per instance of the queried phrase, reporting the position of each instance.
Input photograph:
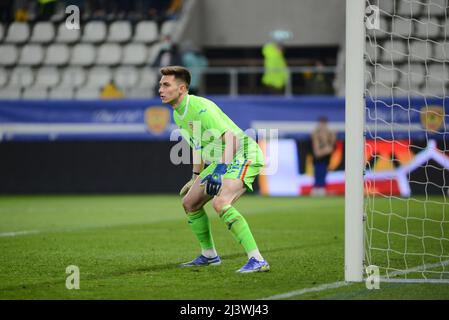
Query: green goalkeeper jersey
(202, 124)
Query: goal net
(406, 197)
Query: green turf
(129, 247)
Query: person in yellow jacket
(276, 74)
(110, 91)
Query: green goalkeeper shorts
(240, 168)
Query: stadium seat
(47, 77)
(436, 7)
(380, 90)
(18, 32)
(134, 54)
(98, 77)
(409, 8)
(427, 28)
(73, 77)
(412, 73)
(139, 93)
(12, 93)
(402, 26)
(126, 77)
(2, 31)
(434, 90)
(66, 35)
(119, 31)
(87, 93)
(109, 54)
(3, 77)
(61, 93)
(372, 52)
(436, 73)
(146, 31)
(441, 50)
(394, 50)
(168, 27)
(34, 92)
(43, 32)
(148, 78)
(21, 77)
(388, 77)
(31, 55)
(83, 54)
(57, 54)
(420, 50)
(8, 54)
(386, 6)
(153, 52)
(94, 32)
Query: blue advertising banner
(401, 118)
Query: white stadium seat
(148, 78)
(386, 6)
(47, 77)
(34, 92)
(436, 7)
(420, 50)
(94, 32)
(109, 54)
(43, 32)
(168, 27)
(119, 31)
(402, 26)
(386, 76)
(410, 8)
(394, 50)
(31, 55)
(18, 32)
(66, 35)
(427, 28)
(126, 77)
(441, 50)
(73, 77)
(57, 54)
(83, 54)
(134, 54)
(61, 93)
(87, 93)
(12, 93)
(437, 73)
(146, 31)
(98, 77)
(3, 77)
(8, 54)
(412, 73)
(21, 77)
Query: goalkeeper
(235, 161)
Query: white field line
(18, 233)
(334, 285)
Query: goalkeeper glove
(213, 180)
(188, 185)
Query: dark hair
(180, 73)
(322, 119)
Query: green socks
(199, 222)
(239, 228)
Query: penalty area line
(18, 233)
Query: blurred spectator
(276, 74)
(110, 91)
(6, 11)
(323, 144)
(168, 56)
(195, 61)
(46, 9)
(318, 82)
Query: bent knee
(219, 203)
(189, 205)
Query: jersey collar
(183, 107)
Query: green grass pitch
(130, 247)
